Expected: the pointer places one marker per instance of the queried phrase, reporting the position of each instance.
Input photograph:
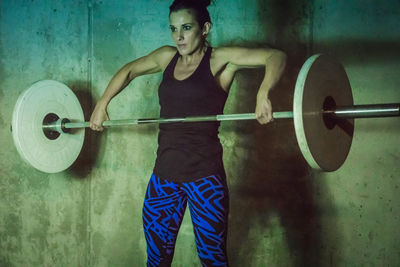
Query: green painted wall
(282, 212)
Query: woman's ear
(206, 28)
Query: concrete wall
(43, 217)
(359, 225)
(282, 212)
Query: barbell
(48, 122)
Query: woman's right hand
(99, 115)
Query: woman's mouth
(181, 46)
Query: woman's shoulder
(220, 49)
(224, 52)
(164, 55)
(220, 54)
(165, 51)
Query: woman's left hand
(263, 109)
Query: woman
(189, 168)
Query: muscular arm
(272, 60)
(152, 63)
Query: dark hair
(199, 6)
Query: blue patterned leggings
(163, 210)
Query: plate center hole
(50, 133)
(329, 105)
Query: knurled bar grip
(127, 122)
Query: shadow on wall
(361, 51)
(94, 145)
(91, 146)
(274, 179)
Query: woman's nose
(180, 36)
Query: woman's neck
(196, 56)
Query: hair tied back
(198, 3)
(199, 6)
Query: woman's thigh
(209, 207)
(163, 210)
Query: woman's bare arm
(155, 62)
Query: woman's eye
(173, 29)
(187, 28)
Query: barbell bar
(323, 114)
(357, 111)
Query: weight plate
(40, 99)
(322, 83)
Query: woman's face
(186, 31)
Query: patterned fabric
(163, 210)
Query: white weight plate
(32, 106)
(324, 148)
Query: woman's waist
(188, 140)
(190, 129)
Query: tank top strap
(208, 53)
(206, 58)
(203, 66)
(171, 66)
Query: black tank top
(189, 151)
